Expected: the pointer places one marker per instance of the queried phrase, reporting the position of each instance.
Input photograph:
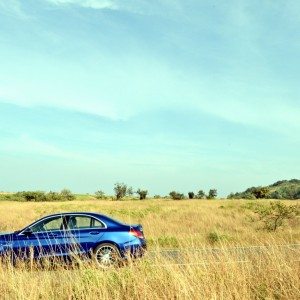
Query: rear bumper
(141, 250)
(135, 248)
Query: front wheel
(107, 255)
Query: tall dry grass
(267, 273)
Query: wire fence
(240, 255)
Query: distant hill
(283, 189)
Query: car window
(97, 224)
(81, 222)
(54, 223)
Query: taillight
(136, 233)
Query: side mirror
(27, 231)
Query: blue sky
(162, 94)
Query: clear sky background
(162, 94)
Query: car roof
(77, 213)
(92, 214)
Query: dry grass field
(228, 272)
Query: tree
(191, 195)
(32, 195)
(261, 192)
(282, 189)
(67, 195)
(212, 194)
(231, 196)
(53, 196)
(100, 194)
(249, 196)
(200, 195)
(142, 194)
(120, 190)
(274, 214)
(129, 191)
(176, 196)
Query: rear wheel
(107, 255)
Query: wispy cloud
(94, 4)
(136, 91)
(25, 144)
(29, 146)
(224, 75)
(13, 8)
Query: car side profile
(64, 235)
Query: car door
(44, 238)
(85, 233)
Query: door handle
(94, 232)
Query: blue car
(64, 235)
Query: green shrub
(142, 194)
(32, 196)
(286, 192)
(212, 194)
(283, 189)
(249, 196)
(121, 190)
(168, 241)
(261, 192)
(100, 195)
(200, 195)
(53, 196)
(191, 195)
(214, 237)
(67, 195)
(275, 214)
(39, 196)
(176, 196)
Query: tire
(107, 255)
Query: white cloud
(119, 86)
(94, 4)
(118, 89)
(143, 7)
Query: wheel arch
(107, 242)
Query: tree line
(121, 190)
(40, 196)
(283, 189)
